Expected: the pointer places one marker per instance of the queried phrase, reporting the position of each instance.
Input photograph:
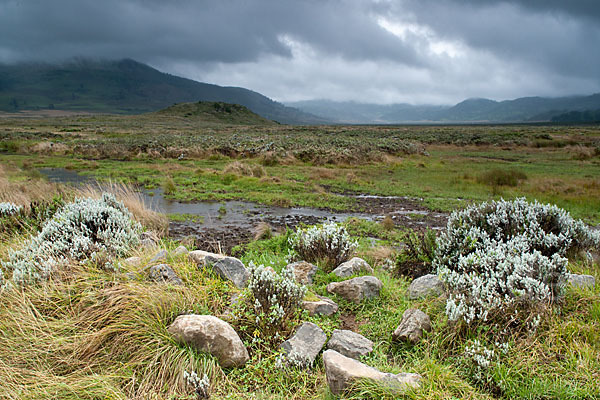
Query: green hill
(123, 87)
(209, 111)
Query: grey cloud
(204, 31)
(508, 48)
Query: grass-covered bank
(93, 333)
(446, 166)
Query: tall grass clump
(500, 177)
(329, 244)
(86, 229)
(507, 260)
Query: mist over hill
(123, 87)
(525, 109)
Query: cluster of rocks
(344, 348)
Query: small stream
(219, 226)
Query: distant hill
(123, 87)
(525, 109)
(578, 116)
(210, 111)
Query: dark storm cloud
(205, 31)
(437, 51)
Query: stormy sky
(378, 51)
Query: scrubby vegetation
(329, 244)
(97, 333)
(86, 229)
(504, 260)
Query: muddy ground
(405, 212)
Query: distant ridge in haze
(124, 87)
(524, 109)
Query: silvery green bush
(269, 302)
(506, 256)
(8, 209)
(86, 229)
(329, 243)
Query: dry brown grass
(262, 231)
(319, 173)
(379, 254)
(134, 201)
(243, 169)
(24, 192)
(387, 223)
(100, 338)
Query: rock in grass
(226, 267)
(356, 289)
(133, 261)
(303, 272)
(424, 286)
(211, 335)
(581, 281)
(180, 251)
(349, 344)
(198, 256)
(414, 322)
(342, 371)
(302, 348)
(159, 257)
(324, 306)
(351, 267)
(164, 273)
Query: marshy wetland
(247, 191)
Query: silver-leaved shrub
(8, 209)
(269, 303)
(507, 257)
(83, 230)
(329, 243)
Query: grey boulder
(342, 371)
(581, 281)
(133, 261)
(302, 349)
(180, 251)
(165, 274)
(424, 286)
(211, 335)
(356, 289)
(226, 267)
(414, 323)
(159, 257)
(351, 267)
(324, 306)
(303, 272)
(349, 344)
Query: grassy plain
(95, 334)
(318, 166)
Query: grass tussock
(134, 201)
(25, 191)
(240, 168)
(262, 231)
(500, 177)
(94, 336)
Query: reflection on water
(215, 214)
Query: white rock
(341, 371)
(351, 267)
(424, 286)
(211, 335)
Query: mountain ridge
(123, 87)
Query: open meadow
(97, 324)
